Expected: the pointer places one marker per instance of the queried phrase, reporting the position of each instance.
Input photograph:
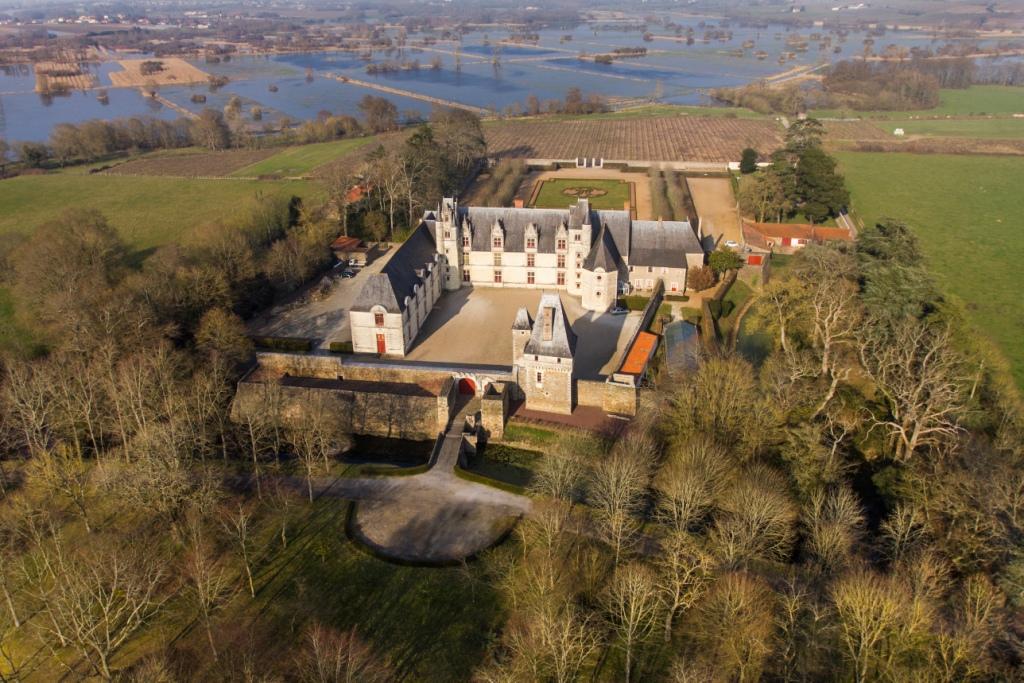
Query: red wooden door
(381, 346)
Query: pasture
(964, 128)
(558, 193)
(302, 159)
(976, 100)
(966, 211)
(147, 211)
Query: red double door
(381, 346)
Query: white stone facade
(588, 254)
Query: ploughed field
(674, 138)
(192, 163)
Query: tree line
(400, 178)
(847, 508)
(866, 86)
(801, 180)
(211, 129)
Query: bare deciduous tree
(834, 522)
(632, 607)
(688, 482)
(334, 657)
(736, 624)
(615, 489)
(93, 599)
(922, 379)
(683, 571)
(237, 521)
(758, 519)
(880, 622)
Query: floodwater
(478, 71)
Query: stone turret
(522, 328)
(544, 367)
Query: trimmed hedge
(283, 343)
(720, 309)
(676, 297)
(635, 303)
(341, 347)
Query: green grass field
(147, 211)
(963, 128)
(558, 194)
(302, 159)
(975, 100)
(967, 212)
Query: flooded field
(483, 70)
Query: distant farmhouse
(589, 254)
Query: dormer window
(561, 245)
(465, 241)
(496, 242)
(531, 236)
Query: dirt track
(716, 206)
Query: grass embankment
(973, 101)
(966, 210)
(302, 159)
(147, 212)
(433, 624)
(559, 193)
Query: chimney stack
(517, 202)
(626, 206)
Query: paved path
(434, 517)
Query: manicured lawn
(976, 100)
(967, 211)
(605, 194)
(302, 159)
(147, 211)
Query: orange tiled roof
(639, 353)
(346, 243)
(802, 231)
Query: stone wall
(358, 411)
(590, 393)
(554, 393)
(620, 399)
(494, 410)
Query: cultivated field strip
(208, 164)
(671, 138)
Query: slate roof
(563, 340)
(603, 254)
(396, 280)
(523, 320)
(514, 223)
(662, 243)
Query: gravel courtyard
(474, 326)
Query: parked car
(619, 310)
(348, 273)
(732, 244)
